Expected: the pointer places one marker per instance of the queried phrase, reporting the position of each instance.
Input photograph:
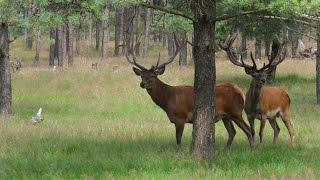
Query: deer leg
(179, 132)
(251, 121)
(230, 129)
(286, 119)
(276, 129)
(262, 125)
(245, 128)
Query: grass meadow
(103, 125)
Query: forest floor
(101, 124)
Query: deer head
(149, 75)
(259, 75)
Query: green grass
(103, 125)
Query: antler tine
(281, 54)
(226, 46)
(170, 60)
(253, 61)
(158, 60)
(134, 61)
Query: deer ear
(161, 70)
(137, 71)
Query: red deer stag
(178, 101)
(263, 102)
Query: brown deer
(178, 101)
(263, 102)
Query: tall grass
(103, 125)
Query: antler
(281, 54)
(170, 60)
(134, 59)
(233, 58)
(227, 46)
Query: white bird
(37, 118)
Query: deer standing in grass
(263, 103)
(178, 101)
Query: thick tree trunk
(318, 66)
(244, 47)
(69, 43)
(78, 39)
(105, 27)
(52, 47)
(204, 81)
(257, 51)
(61, 45)
(5, 74)
(98, 22)
(117, 36)
(275, 47)
(171, 45)
(183, 51)
(38, 47)
(147, 27)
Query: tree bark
(38, 47)
(244, 47)
(136, 30)
(183, 50)
(129, 28)
(124, 28)
(204, 83)
(257, 48)
(5, 74)
(78, 39)
(69, 43)
(52, 55)
(318, 67)
(98, 22)
(105, 27)
(117, 36)
(171, 45)
(61, 45)
(267, 49)
(147, 27)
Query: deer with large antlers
(263, 103)
(178, 101)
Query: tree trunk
(244, 47)
(98, 22)
(147, 27)
(52, 55)
(257, 53)
(38, 47)
(318, 66)
(183, 50)
(267, 49)
(78, 38)
(129, 29)
(29, 39)
(5, 74)
(275, 47)
(69, 43)
(117, 36)
(171, 45)
(124, 28)
(136, 30)
(294, 47)
(105, 27)
(205, 79)
(61, 45)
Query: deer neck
(253, 97)
(160, 93)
